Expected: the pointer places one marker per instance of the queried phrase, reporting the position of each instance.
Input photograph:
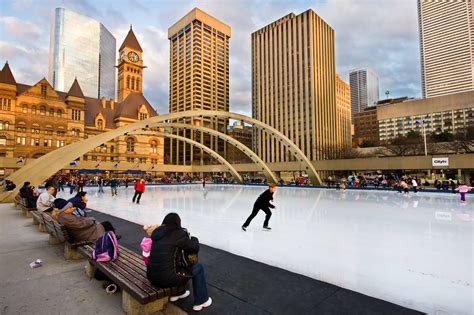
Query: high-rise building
(81, 48)
(293, 86)
(199, 80)
(343, 109)
(446, 46)
(364, 84)
(242, 133)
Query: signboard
(440, 162)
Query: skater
(262, 203)
(414, 184)
(139, 190)
(463, 189)
(113, 186)
(101, 184)
(203, 183)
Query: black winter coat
(163, 269)
(263, 201)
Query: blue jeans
(199, 285)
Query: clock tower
(130, 67)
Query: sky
(382, 34)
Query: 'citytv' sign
(443, 161)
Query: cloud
(20, 29)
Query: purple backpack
(106, 248)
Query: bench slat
(114, 273)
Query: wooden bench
(17, 201)
(129, 273)
(38, 219)
(58, 234)
(24, 207)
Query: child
(146, 242)
(463, 189)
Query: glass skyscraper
(364, 84)
(81, 48)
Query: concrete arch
(254, 157)
(40, 169)
(211, 152)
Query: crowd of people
(171, 256)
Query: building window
(35, 142)
(24, 108)
(60, 133)
(100, 124)
(5, 104)
(3, 140)
(60, 143)
(75, 132)
(60, 113)
(142, 116)
(47, 142)
(4, 125)
(42, 110)
(43, 90)
(153, 147)
(33, 109)
(76, 114)
(133, 83)
(51, 112)
(128, 82)
(21, 140)
(130, 145)
(142, 160)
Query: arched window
(60, 113)
(138, 84)
(24, 108)
(100, 124)
(128, 81)
(51, 112)
(43, 110)
(3, 140)
(33, 109)
(133, 83)
(130, 145)
(153, 147)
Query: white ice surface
(415, 250)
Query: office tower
(293, 86)
(364, 85)
(81, 48)
(199, 80)
(446, 46)
(343, 110)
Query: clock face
(132, 56)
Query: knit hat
(59, 203)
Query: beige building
(446, 46)
(35, 120)
(452, 113)
(243, 134)
(366, 127)
(199, 80)
(343, 112)
(293, 86)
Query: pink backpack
(146, 248)
(106, 248)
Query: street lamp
(422, 123)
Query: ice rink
(415, 250)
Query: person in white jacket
(46, 199)
(414, 183)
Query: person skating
(262, 203)
(463, 190)
(113, 186)
(139, 190)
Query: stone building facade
(36, 119)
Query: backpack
(106, 248)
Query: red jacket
(139, 186)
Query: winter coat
(263, 201)
(464, 189)
(164, 269)
(77, 202)
(81, 228)
(45, 201)
(139, 186)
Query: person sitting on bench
(79, 201)
(79, 228)
(46, 199)
(167, 265)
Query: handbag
(187, 260)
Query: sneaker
(244, 228)
(178, 297)
(267, 228)
(208, 303)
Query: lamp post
(422, 123)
